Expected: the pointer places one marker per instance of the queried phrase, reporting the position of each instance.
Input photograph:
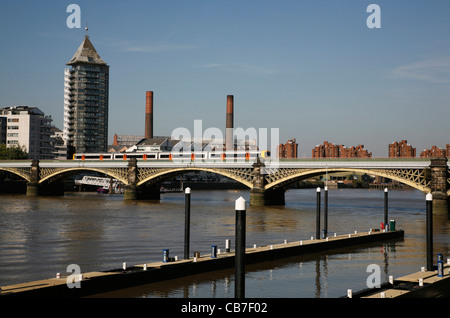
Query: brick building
(435, 152)
(288, 150)
(330, 150)
(401, 149)
(327, 150)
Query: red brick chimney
(149, 115)
(229, 143)
(115, 142)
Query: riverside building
(30, 128)
(288, 150)
(86, 93)
(330, 150)
(401, 149)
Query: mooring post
(325, 211)
(318, 214)
(429, 203)
(385, 207)
(239, 287)
(187, 221)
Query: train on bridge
(238, 155)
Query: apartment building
(401, 149)
(435, 152)
(28, 127)
(86, 91)
(288, 150)
(330, 150)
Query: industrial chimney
(229, 143)
(149, 115)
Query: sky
(312, 69)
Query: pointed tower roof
(86, 53)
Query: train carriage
(239, 156)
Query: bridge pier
(260, 196)
(33, 185)
(32, 189)
(439, 186)
(257, 197)
(143, 192)
(130, 191)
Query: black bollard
(239, 287)
(318, 215)
(325, 212)
(429, 202)
(385, 207)
(187, 221)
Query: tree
(12, 153)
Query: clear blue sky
(313, 69)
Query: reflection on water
(42, 236)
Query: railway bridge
(267, 180)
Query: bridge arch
(241, 177)
(416, 181)
(24, 174)
(62, 172)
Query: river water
(41, 236)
